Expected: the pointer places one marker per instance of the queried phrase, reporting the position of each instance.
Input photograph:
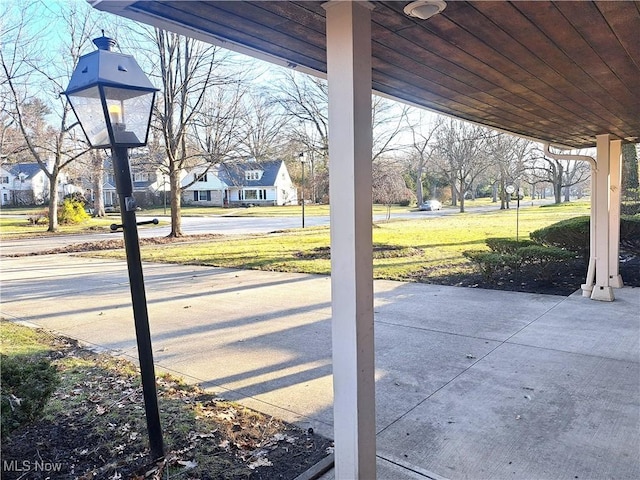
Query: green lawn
(281, 211)
(23, 227)
(428, 247)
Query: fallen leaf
(260, 462)
(188, 464)
(100, 410)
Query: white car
(430, 205)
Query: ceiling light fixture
(424, 9)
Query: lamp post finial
(104, 43)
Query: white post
(587, 286)
(350, 144)
(602, 289)
(615, 182)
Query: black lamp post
(112, 99)
(302, 162)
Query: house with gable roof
(27, 184)
(240, 184)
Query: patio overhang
(559, 72)
(564, 73)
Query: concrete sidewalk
(470, 383)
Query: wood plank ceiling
(561, 72)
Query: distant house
(239, 184)
(27, 184)
(149, 184)
(6, 181)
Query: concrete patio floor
(474, 384)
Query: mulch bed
(94, 428)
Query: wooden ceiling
(561, 72)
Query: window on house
(201, 195)
(253, 174)
(141, 177)
(4, 179)
(201, 178)
(250, 194)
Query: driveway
(469, 383)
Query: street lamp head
(111, 97)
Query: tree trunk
(557, 192)
(176, 216)
(461, 196)
(53, 202)
(419, 191)
(98, 184)
(567, 194)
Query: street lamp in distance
(112, 99)
(303, 160)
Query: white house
(240, 183)
(6, 181)
(27, 184)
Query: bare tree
(562, 174)
(388, 184)
(389, 121)
(461, 154)
(32, 79)
(422, 149)
(188, 69)
(508, 156)
(264, 125)
(304, 101)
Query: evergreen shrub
(26, 388)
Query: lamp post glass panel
(112, 99)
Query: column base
(603, 294)
(616, 282)
(586, 289)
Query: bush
(39, 218)
(543, 262)
(630, 208)
(491, 264)
(72, 212)
(573, 234)
(527, 257)
(630, 233)
(507, 245)
(26, 387)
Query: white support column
(615, 186)
(587, 286)
(602, 290)
(350, 144)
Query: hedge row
(549, 249)
(573, 234)
(508, 256)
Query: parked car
(430, 205)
